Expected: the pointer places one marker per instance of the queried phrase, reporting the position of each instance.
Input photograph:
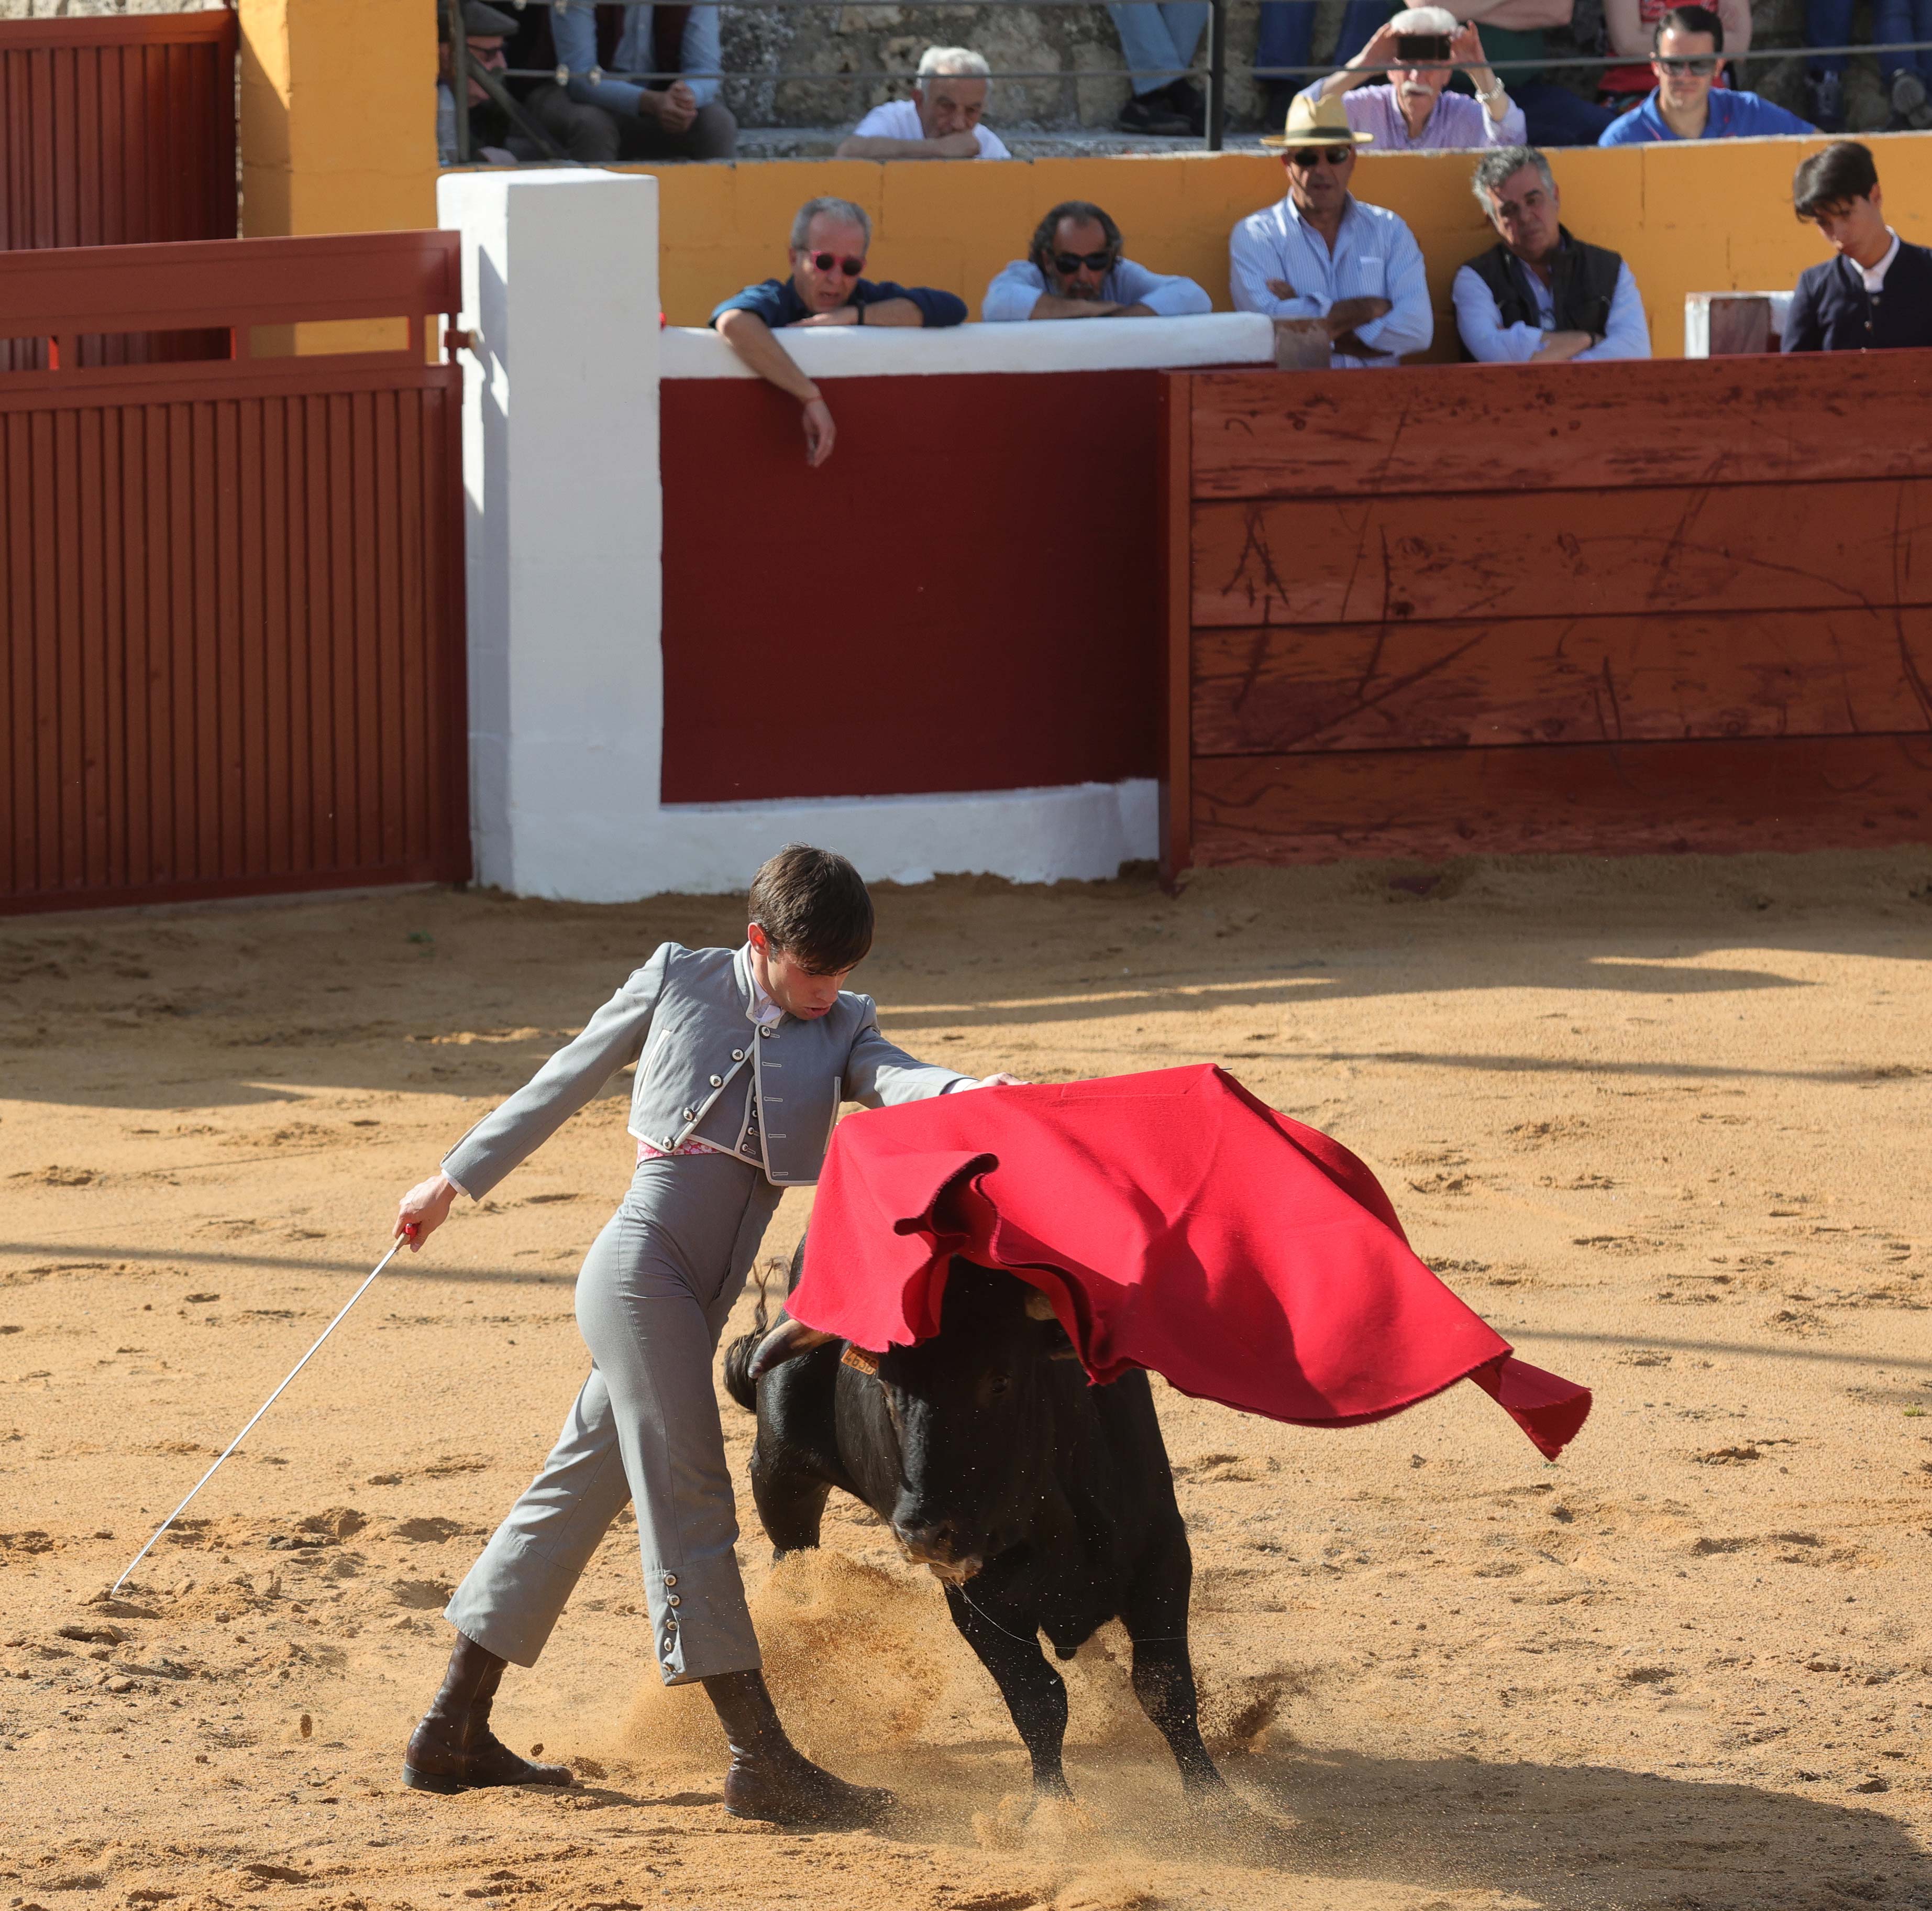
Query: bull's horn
(1038, 1307)
(785, 1341)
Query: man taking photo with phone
(1418, 51)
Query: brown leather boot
(454, 1749)
(769, 1778)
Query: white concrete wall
(565, 530)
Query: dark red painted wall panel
(963, 597)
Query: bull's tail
(738, 1382)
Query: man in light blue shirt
(1687, 46)
(679, 118)
(1075, 269)
(1323, 265)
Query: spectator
(1541, 295)
(1829, 23)
(1321, 263)
(1513, 32)
(596, 118)
(1877, 292)
(829, 240)
(1419, 49)
(485, 30)
(1158, 40)
(1074, 269)
(1287, 40)
(941, 120)
(1630, 26)
(1688, 41)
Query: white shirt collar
(763, 1010)
(1874, 275)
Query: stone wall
(851, 46)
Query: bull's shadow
(1583, 1837)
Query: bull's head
(971, 1412)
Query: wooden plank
(1176, 794)
(1599, 553)
(1440, 428)
(1591, 799)
(1560, 680)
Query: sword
(408, 1235)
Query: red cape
(1176, 1223)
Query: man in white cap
(1419, 50)
(1322, 264)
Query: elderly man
(1687, 44)
(1075, 269)
(1409, 112)
(941, 120)
(1325, 266)
(829, 240)
(1541, 295)
(1877, 292)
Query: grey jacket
(690, 1014)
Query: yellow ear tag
(859, 1360)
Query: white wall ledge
(852, 351)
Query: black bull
(1043, 1504)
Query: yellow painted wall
(1710, 216)
(338, 115)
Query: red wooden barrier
(117, 131)
(1679, 604)
(962, 599)
(232, 592)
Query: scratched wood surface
(1788, 793)
(1438, 428)
(1674, 549)
(1336, 686)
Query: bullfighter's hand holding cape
(1177, 1223)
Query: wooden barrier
(231, 591)
(1598, 609)
(119, 131)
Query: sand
(1663, 1122)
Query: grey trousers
(656, 1289)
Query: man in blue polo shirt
(829, 240)
(1687, 47)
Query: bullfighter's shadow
(1564, 1837)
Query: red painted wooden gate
(116, 131)
(231, 591)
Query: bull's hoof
(801, 1793)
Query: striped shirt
(1375, 256)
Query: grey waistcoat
(685, 1018)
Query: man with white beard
(1410, 112)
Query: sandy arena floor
(1664, 1123)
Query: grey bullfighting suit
(659, 1284)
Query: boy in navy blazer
(1877, 292)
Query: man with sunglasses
(1074, 269)
(829, 240)
(1687, 47)
(1409, 112)
(1328, 269)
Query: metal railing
(1213, 74)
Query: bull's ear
(1038, 1307)
(785, 1341)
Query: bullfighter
(742, 1059)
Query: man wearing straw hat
(1332, 271)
